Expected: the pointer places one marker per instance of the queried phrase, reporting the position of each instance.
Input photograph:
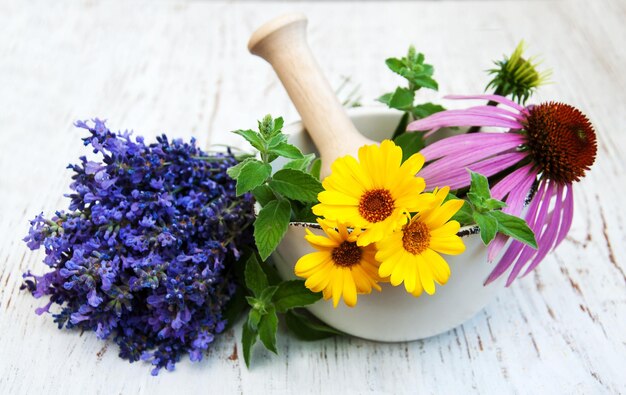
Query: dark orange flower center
(346, 254)
(561, 140)
(416, 237)
(376, 205)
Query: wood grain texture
(183, 68)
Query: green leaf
(271, 225)
(278, 124)
(235, 307)
(316, 168)
(464, 215)
(395, 65)
(411, 143)
(304, 213)
(267, 329)
(267, 294)
(308, 329)
(479, 185)
(515, 227)
(476, 200)
(426, 109)
(248, 338)
(254, 138)
(270, 271)
(251, 175)
(292, 294)
(301, 164)
(401, 128)
(263, 194)
(296, 185)
(254, 317)
(424, 81)
(493, 204)
(256, 280)
(402, 99)
(488, 226)
(235, 170)
(287, 151)
(385, 98)
(275, 140)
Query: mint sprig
(286, 195)
(268, 298)
(418, 75)
(485, 211)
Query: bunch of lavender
(144, 254)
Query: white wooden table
(183, 68)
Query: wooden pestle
(282, 42)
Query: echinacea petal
(496, 98)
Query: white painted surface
(183, 68)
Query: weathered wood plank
(183, 68)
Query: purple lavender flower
(145, 252)
(552, 142)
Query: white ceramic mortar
(394, 315)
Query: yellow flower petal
(451, 245)
(439, 267)
(349, 288)
(310, 261)
(337, 285)
(426, 277)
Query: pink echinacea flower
(548, 146)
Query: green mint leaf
(316, 168)
(292, 294)
(301, 164)
(235, 307)
(248, 338)
(254, 138)
(304, 213)
(423, 81)
(267, 294)
(296, 185)
(267, 329)
(426, 109)
(254, 317)
(287, 151)
(272, 275)
(308, 328)
(263, 194)
(479, 185)
(493, 204)
(402, 99)
(515, 227)
(488, 226)
(271, 225)
(395, 65)
(235, 170)
(476, 200)
(256, 280)
(251, 175)
(464, 215)
(411, 143)
(278, 124)
(401, 128)
(275, 140)
(385, 98)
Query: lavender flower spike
(553, 143)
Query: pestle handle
(282, 43)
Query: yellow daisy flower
(411, 255)
(339, 267)
(375, 193)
